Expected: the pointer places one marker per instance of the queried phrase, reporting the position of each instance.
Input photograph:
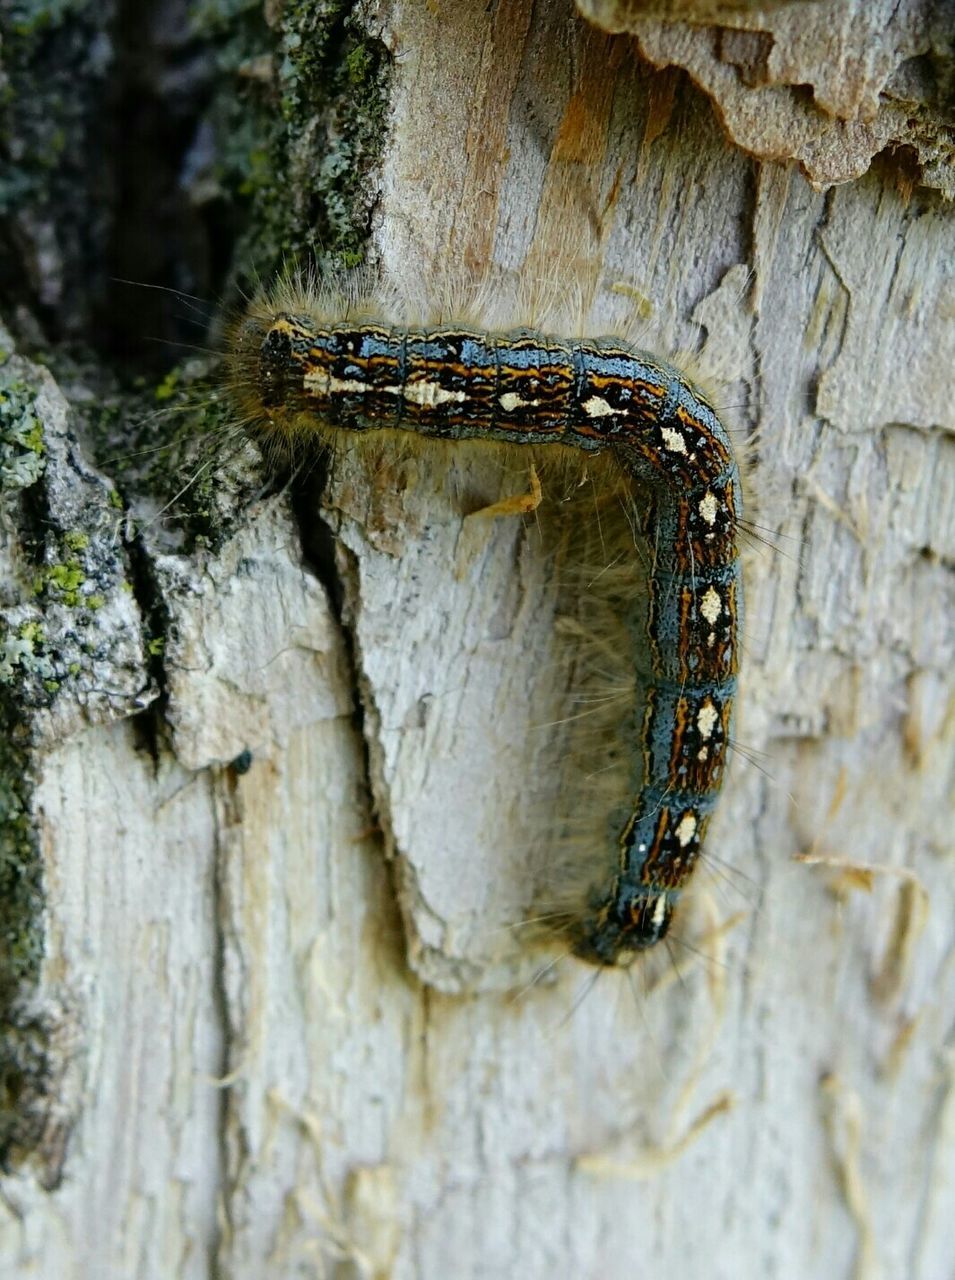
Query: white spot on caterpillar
(659, 911)
(597, 407)
(430, 393)
(711, 606)
(672, 440)
(686, 829)
(510, 401)
(708, 507)
(706, 719)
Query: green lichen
(32, 632)
(167, 388)
(61, 582)
(69, 576)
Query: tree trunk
(273, 800)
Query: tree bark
(271, 801)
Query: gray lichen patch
(22, 451)
(301, 127)
(71, 635)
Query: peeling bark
(826, 83)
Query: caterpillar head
(635, 920)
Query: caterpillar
(297, 374)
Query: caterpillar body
(297, 374)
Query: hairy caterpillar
(299, 371)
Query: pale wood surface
(289, 1057)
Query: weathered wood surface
(282, 1055)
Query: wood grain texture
(295, 1041)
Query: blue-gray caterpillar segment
(294, 373)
